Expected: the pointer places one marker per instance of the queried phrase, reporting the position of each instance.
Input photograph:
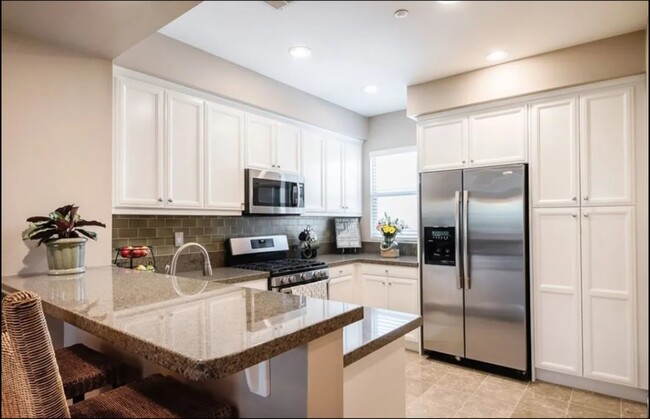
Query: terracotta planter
(66, 256)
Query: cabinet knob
(574, 215)
(383, 282)
(279, 167)
(463, 161)
(272, 165)
(585, 215)
(170, 200)
(341, 271)
(390, 283)
(586, 198)
(574, 198)
(471, 161)
(160, 199)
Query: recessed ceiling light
(448, 2)
(401, 13)
(496, 55)
(370, 89)
(300, 51)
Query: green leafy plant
(63, 223)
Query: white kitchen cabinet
(442, 144)
(231, 307)
(186, 324)
(287, 148)
(344, 289)
(557, 289)
(224, 138)
(139, 144)
(498, 136)
(555, 159)
(184, 152)
(607, 147)
(403, 295)
(334, 176)
(313, 169)
(374, 290)
(149, 326)
(260, 139)
(352, 178)
(609, 294)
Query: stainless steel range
(270, 254)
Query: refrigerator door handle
(457, 203)
(466, 274)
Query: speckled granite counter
(201, 329)
(337, 260)
(227, 275)
(377, 329)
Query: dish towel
(315, 289)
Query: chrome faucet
(207, 268)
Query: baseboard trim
(610, 389)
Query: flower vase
(389, 248)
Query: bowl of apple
(134, 251)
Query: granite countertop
(200, 329)
(337, 260)
(378, 328)
(226, 275)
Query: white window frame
(374, 234)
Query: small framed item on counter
(348, 235)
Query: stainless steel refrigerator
(474, 266)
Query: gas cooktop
(283, 266)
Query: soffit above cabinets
(360, 43)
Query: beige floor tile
(466, 372)
(551, 391)
(527, 413)
(506, 396)
(477, 406)
(542, 404)
(427, 409)
(460, 383)
(632, 409)
(507, 382)
(422, 373)
(417, 387)
(580, 411)
(448, 397)
(596, 401)
(410, 399)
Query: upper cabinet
(334, 176)
(139, 144)
(555, 158)
(272, 145)
(607, 147)
(582, 150)
(442, 144)
(343, 174)
(480, 139)
(498, 137)
(352, 177)
(313, 169)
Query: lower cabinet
(344, 289)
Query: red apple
(125, 253)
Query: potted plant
(62, 232)
(389, 228)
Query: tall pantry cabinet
(584, 234)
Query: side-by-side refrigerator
(474, 266)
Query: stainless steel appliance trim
(297, 194)
(459, 279)
(466, 273)
(242, 245)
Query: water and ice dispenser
(440, 246)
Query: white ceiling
(356, 43)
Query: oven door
(315, 289)
(274, 193)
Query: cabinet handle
(170, 200)
(585, 215)
(390, 283)
(341, 271)
(160, 199)
(574, 198)
(574, 215)
(463, 161)
(279, 167)
(383, 282)
(586, 198)
(471, 161)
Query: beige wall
(164, 57)
(605, 59)
(390, 130)
(56, 144)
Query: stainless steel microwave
(269, 192)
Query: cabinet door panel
(608, 292)
(224, 128)
(139, 144)
(607, 147)
(260, 133)
(287, 148)
(344, 289)
(184, 151)
(555, 159)
(374, 291)
(352, 178)
(148, 326)
(334, 175)
(556, 283)
(498, 137)
(403, 295)
(313, 169)
(186, 324)
(442, 144)
(226, 316)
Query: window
(394, 189)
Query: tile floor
(439, 390)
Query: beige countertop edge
(379, 342)
(194, 369)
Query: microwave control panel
(440, 246)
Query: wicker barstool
(32, 386)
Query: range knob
(307, 276)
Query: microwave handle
(294, 194)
